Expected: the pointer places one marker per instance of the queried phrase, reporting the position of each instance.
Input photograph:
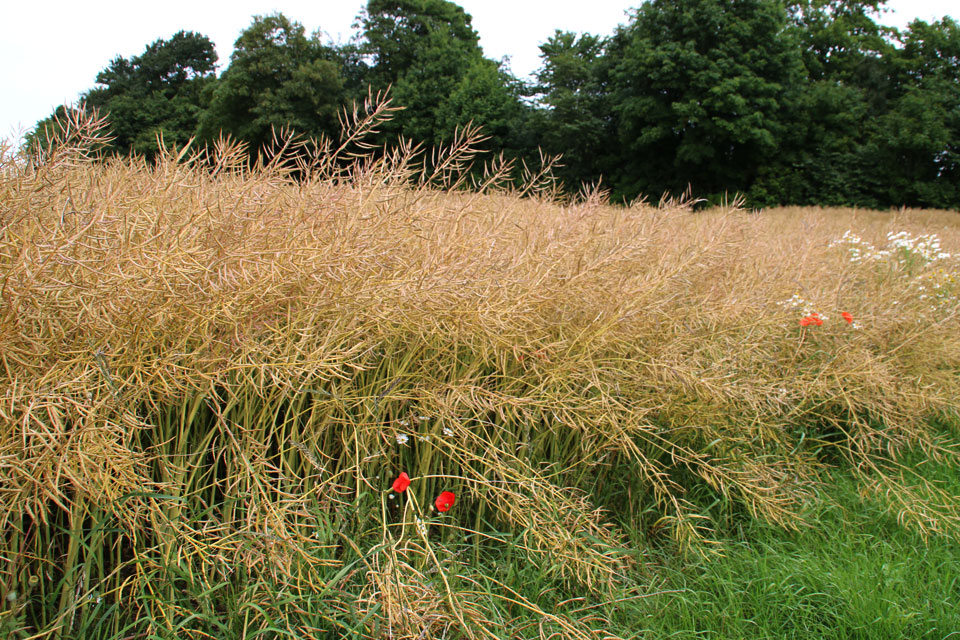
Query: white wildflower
(421, 527)
(793, 302)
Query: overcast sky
(54, 49)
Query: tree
(278, 78)
(156, 93)
(698, 88)
(839, 36)
(822, 157)
(488, 96)
(918, 139)
(873, 124)
(576, 120)
(428, 51)
(166, 66)
(398, 32)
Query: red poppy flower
(401, 483)
(817, 321)
(445, 501)
(847, 316)
(804, 321)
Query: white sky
(54, 48)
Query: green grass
(855, 573)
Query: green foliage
(278, 78)
(918, 138)
(797, 102)
(485, 95)
(697, 88)
(576, 119)
(399, 32)
(822, 158)
(158, 93)
(873, 124)
(840, 39)
(428, 51)
(165, 66)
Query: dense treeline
(808, 102)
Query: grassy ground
(855, 573)
(212, 374)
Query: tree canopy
(575, 119)
(278, 78)
(698, 90)
(429, 53)
(785, 101)
(158, 92)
